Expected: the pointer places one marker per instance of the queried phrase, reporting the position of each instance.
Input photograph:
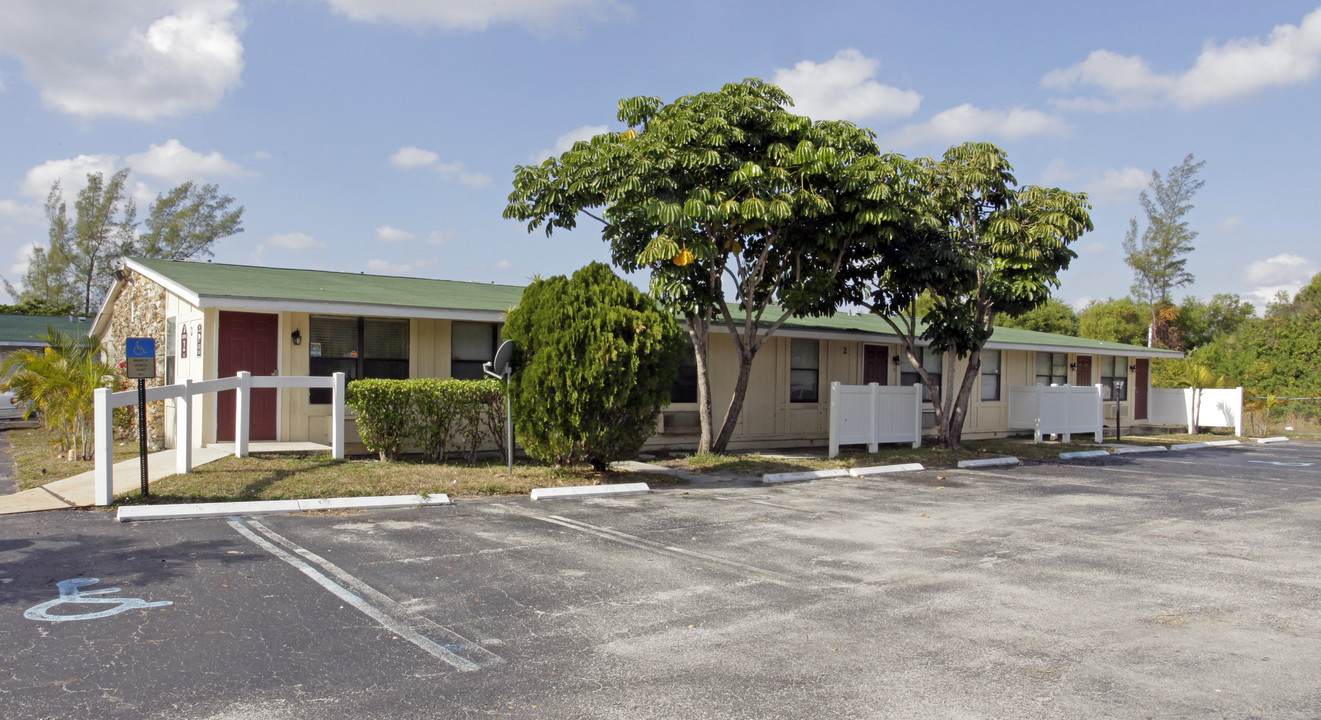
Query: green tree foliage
(1158, 255)
(594, 364)
(1284, 355)
(59, 381)
(722, 194)
(1306, 302)
(37, 307)
(185, 222)
(1053, 317)
(1201, 322)
(1121, 321)
(981, 247)
(76, 266)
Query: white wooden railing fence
(1216, 408)
(1058, 409)
(243, 383)
(874, 414)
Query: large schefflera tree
(980, 246)
(594, 363)
(722, 195)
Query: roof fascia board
(863, 336)
(324, 308)
(183, 292)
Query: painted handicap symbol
(69, 593)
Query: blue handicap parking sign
(140, 348)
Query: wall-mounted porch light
(297, 337)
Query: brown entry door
(1141, 378)
(1084, 377)
(875, 365)
(248, 342)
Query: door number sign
(71, 594)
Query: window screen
(1052, 368)
(684, 389)
(358, 347)
(804, 370)
(990, 375)
(472, 344)
(1113, 369)
(931, 362)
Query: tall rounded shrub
(595, 363)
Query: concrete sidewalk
(80, 491)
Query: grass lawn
(285, 477)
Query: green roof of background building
(21, 329)
(265, 283)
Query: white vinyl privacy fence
(1212, 407)
(106, 401)
(873, 414)
(1056, 410)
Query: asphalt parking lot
(1166, 585)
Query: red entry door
(248, 342)
(875, 365)
(1141, 378)
(1084, 371)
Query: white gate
(874, 414)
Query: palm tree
(1198, 377)
(59, 381)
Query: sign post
(499, 368)
(140, 364)
(1119, 410)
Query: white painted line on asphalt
(650, 545)
(1084, 454)
(988, 462)
(266, 507)
(394, 625)
(1276, 439)
(885, 469)
(774, 478)
(590, 491)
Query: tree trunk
(699, 333)
(746, 355)
(958, 413)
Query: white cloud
(1117, 187)
(1056, 172)
(176, 163)
(503, 264)
(387, 268)
(468, 15)
(1229, 224)
(1094, 248)
(439, 237)
(288, 241)
(1239, 68)
(411, 157)
(968, 122)
(388, 234)
(1285, 272)
(139, 59)
(565, 142)
(1080, 304)
(23, 256)
(19, 212)
(71, 173)
(843, 88)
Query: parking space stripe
(652, 546)
(395, 625)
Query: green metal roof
(219, 280)
(217, 283)
(21, 329)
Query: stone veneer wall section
(139, 311)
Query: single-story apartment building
(212, 320)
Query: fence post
(337, 418)
(1100, 414)
(917, 420)
(183, 430)
(1190, 404)
(1036, 426)
(103, 427)
(873, 428)
(834, 419)
(242, 401)
(1238, 414)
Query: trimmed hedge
(435, 415)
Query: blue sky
(381, 135)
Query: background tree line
(73, 270)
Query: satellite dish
(499, 367)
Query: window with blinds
(359, 347)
